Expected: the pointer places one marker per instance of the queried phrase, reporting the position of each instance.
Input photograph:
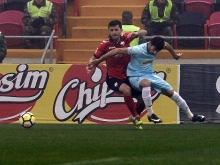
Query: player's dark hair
(158, 42)
(114, 23)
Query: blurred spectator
(39, 18)
(3, 47)
(159, 16)
(127, 25)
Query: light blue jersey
(140, 67)
(141, 61)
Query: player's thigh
(139, 82)
(159, 84)
(115, 84)
(135, 81)
(134, 92)
(125, 89)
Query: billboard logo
(19, 91)
(88, 97)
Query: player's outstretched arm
(168, 47)
(138, 33)
(112, 53)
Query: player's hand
(178, 56)
(95, 62)
(92, 64)
(88, 68)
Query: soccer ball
(27, 119)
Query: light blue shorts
(157, 83)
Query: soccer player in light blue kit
(143, 78)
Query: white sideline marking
(92, 161)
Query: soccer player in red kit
(116, 67)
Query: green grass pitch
(84, 144)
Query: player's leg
(122, 87)
(140, 106)
(146, 95)
(166, 89)
(126, 90)
(144, 85)
(183, 105)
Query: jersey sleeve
(132, 51)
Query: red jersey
(116, 65)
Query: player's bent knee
(125, 89)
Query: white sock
(147, 100)
(189, 114)
(149, 111)
(182, 104)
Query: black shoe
(154, 118)
(199, 118)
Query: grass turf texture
(66, 144)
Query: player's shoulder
(105, 44)
(106, 41)
(142, 47)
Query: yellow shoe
(139, 127)
(137, 122)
